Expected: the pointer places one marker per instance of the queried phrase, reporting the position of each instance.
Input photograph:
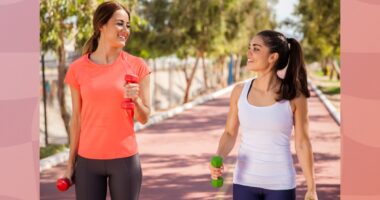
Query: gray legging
(123, 174)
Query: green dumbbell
(217, 162)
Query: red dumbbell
(128, 104)
(63, 184)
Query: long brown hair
(101, 16)
(290, 55)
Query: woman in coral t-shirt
(103, 145)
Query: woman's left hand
(311, 195)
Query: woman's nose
(249, 53)
(125, 29)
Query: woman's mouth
(122, 37)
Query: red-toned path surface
(175, 155)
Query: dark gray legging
(123, 174)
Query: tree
(320, 22)
(56, 26)
(84, 11)
(244, 19)
(199, 29)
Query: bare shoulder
(236, 91)
(299, 102)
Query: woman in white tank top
(266, 109)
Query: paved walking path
(175, 155)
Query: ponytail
(295, 80)
(91, 44)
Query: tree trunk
(44, 99)
(189, 80)
(183, 68)
(61, 88)
(337, 68)
(204, 71)
(213, 79)
(222, 79)
(218, 71)
(324, 66)
(237, 68)
(331, 69)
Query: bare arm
(302, 141)
(74, 125)
(142, 110)
(228, 138)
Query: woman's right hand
(131, 90)
(216, 172)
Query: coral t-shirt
(107, 130)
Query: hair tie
(289, 40)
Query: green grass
(51, 150)
(330, 90)
(319, 73)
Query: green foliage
(330, 90)
(84, 16)
(187, 28)
(51, 150)
(244, 20)
(320, 23)
(163, 27)
(55, 20)
(149, 34)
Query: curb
(172, 112)
(54, 160)
(332, 110)
(58, 158)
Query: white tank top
(264, 158)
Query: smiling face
(116, 31)
(259, 57)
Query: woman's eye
(122, 24)
(255, 49)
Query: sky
(284, 10)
